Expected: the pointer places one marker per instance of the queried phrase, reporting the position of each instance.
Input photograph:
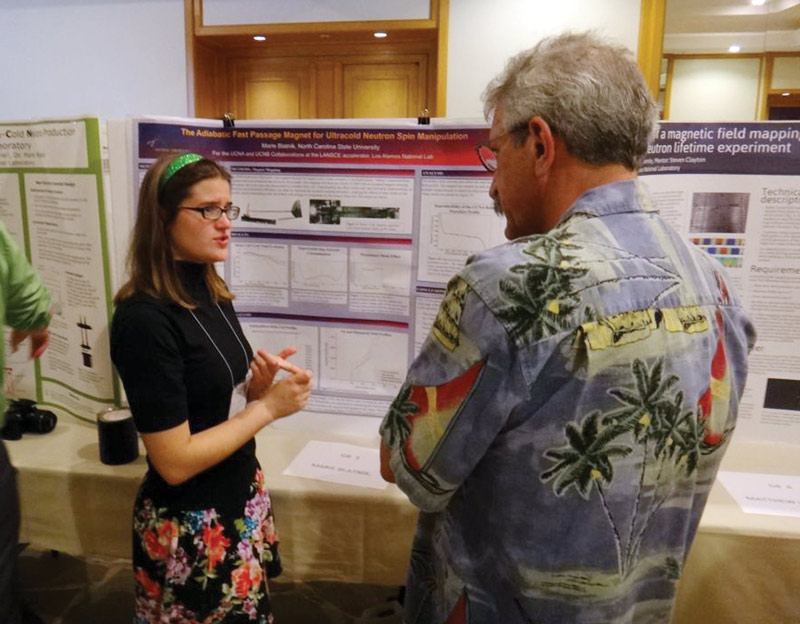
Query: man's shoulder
(557, 250)
(591, 267)
(497, 261)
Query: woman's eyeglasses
(213, 213)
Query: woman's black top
(177, 365)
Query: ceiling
(712, 26)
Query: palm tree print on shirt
(539, 303)
(541, 300)
(396, 419)
(653, 417)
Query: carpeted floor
(63, 589)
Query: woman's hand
(289, 395)
(264, 368)
(178, 454)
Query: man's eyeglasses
(487, 156)
(213, 213)
(487, 153)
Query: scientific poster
(734, 190)
(347, 237)
(52, 200)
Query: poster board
(351, 230)
(347, 237)
(734, 190)
(53, 201)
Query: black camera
(22, 416)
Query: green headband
(176, 165)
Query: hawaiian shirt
(563, 423)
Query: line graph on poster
(386, 271)
(260, 264)
(319, 268)
(467, 231)
(369, 361)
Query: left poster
(348, 234)
(53, 201)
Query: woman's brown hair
(151, 261)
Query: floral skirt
(201, 567)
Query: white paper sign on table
(338, 463)
(771, 494)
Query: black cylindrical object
(118, 440)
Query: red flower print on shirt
(714, 403)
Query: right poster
(734, 190)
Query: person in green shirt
(24, 306)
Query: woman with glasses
(203, 536)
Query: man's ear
(542, 144)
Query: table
(743, 568)
(73, 503)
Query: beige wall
(723, 89)
(786, 72)
(483, 35)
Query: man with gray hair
(564, 420)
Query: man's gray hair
(591, 94)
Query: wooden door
(318, 69)
(383, 89)
(272, 88)
(783, 107)
(344, 85)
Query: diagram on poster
(306, 199)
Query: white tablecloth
(743, 568)
(73, 503)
